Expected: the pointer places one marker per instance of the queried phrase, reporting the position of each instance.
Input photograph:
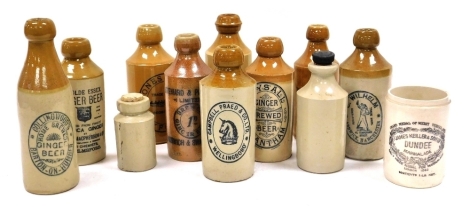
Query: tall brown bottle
(275, 89)
(145, 74)
(317, 35)
(46, 114)
(88, 90)
(182, 94)
(228, 26)
(366, 76)
(228, 100)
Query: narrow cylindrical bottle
(228, 26)
(321, 122)
(366, 76)
(145, 74)
(317, 35)
(46, 114)
(183, 103)
(87, 82)
(135, 137)
(275, 89)
(228, 100)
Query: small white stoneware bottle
(135, 135)
(321, 118)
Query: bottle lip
(418, 96)
(133, 103)
(317, 33)
(76, 47)
(366, 38)
(187, 43)
(228, 56)
(149, 34)
(39, 29)
(269, 46)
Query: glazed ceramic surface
(145, 74)
(228, 27)
(415, 125)
(46, 114)
(366, 76)
(183, 101)
(321, 121)
(135, 142)
(228, 100)
(274, 99)
(87, 82)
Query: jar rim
(418, 96)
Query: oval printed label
(272, 115)
(228, 131)
(186, 120)
(153, 88)
(364, 117)
(51, 143)
(416, 146)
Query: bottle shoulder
(83, 68)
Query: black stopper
(323, 57)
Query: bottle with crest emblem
(145, 74)
(46, 114)
(275, 89)
(87, 81)
(228, 100)
(182, 99)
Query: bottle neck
(322, 73)
(317, 46)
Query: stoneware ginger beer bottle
(87, 82)
(228, 99)
(321, 125)
(228, 26)
(46, 114)
(317, 35)
(145, 70)
(183, 103)
(366, 76)
(275, 88)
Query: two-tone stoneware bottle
(228, 26)
(321, 123)
(183, 103)
(46, 114)
(145, 74)
(274, 99)
(228, 100)
(366, 76)
(87, 81)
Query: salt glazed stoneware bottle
(145, 70)
(135, 137)
(87, 82)
(366, 76)
(228, 100)
(228, 26)
(321, 123)
(46, 114)
(183, 103)
(275, 89)
(317, 35)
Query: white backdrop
(425, 41)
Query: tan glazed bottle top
(76, 47)
(317, 33)
(228, 56)
(39, 29)
(269, 47)
(187, 43)
(228, 23)
(149, 34)
(366, 38)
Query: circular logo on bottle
(51, 143)
(272, 115)
(364, 117)
(186, 120)
(228, 131)
(416, 146)
(153, 88)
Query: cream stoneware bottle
(87, 81)
(46, 114)
(366, 76)
(321, 138)
(275, 89)
(228, 100)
